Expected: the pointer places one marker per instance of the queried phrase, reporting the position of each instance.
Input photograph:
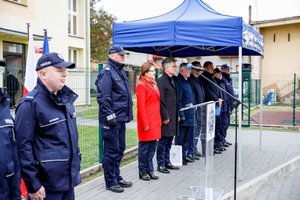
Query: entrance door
(14, 55)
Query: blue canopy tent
(191, 29)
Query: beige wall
(53, 16)
(282, 57)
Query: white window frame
(71, 57)
(71, 15)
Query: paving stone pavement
(277, 148)
(287, 188)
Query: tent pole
(237, 146)
(261, 104)
(240, 113)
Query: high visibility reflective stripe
(53, 123)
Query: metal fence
(280, 101)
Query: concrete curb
(249, 188)
(96, 168)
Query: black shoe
(184, 162)
(228, 143)
(170, 166)
(163, 170)
(125, 184)
(187, 159)
(144, 176)
(193, 157)
(115, 188)
(217, 152)
(197, 153)
(152, 175)
(221, 149)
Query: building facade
(67, 25)
(281, 50)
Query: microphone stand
(235, 138)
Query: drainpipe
(87, 52)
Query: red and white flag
(30, 74)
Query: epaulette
(31, 95)
(107, 68)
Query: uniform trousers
(114, 147)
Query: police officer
(9, 164)
(115, 109)
(47, 135)
(231, 102)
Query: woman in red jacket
(148, 120)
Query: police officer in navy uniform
(231, 102)
(9, 164)
(115, 109)
(47, 135)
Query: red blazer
(148, 111)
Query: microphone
(2, 63)
(190, 66)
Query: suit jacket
(185, 99)
(212, 93)
(168, 104)
(199, 94)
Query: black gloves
(112, 123)
(235, 104)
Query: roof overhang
(276, 22)
(20, 34)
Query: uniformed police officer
(47, 135)
(115, 109)
(9, 164)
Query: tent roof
(191, 29)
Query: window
(73, 17)
(73, 56)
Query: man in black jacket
(167, 85)
(199, 98)
(212, 93)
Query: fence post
(100, 67)
(294, 101)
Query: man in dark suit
(169, 113)
(212, 93)
(186, 123)
(199, 98)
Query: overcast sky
(127, 10)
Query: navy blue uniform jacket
(114, 96)
(47, 139)
(9, 163)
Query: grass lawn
(89, 144)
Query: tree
(101, 31)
